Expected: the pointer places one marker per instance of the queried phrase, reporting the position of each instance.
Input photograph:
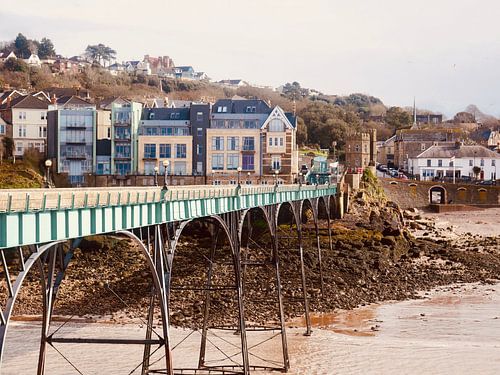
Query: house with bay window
(250, 139)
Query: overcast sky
(446, 53)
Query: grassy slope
(19, 175)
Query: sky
(445, 53)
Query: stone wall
(409, 194)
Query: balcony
(77, 126)
(122, 123)
(122, 156)
(77, 155)
(76, 140)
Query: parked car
(486, 182)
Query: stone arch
(437, 195)
(462, 194)
(333, 207)
(393, 183)
(482, 195)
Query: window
(217, 161)
(234, 124)
(175, 116)
(233, 161)
(21, 131)
(180, 151)
(470, 163)
(19, 147)
(451, 163)
(122, 151)
(276, 141)
(150, 151)
(250, 124)
(248, 144)
(276, 163)
(199, 116)
(151, 131)
(218, 143)
(422, 147)
(199, 149)
(276, 125)
(493, 162)
(233, 143)
(356, 148)
(218, 124)
(22, 115)
(151, 116)
(281, 142)
(149, 167)
(440, 163)
(224, 109)
(165, 151)
(248, 162)
(42, 132)
(482, 163)
(180, 168)
(429, 161)
(270, 141)
(2, 129)
(199, 132)
(109, 132)
(43, 115)
(122, 133)
(122, 168)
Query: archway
(462, 195)
(437, 195)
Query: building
(440, 162)
(28, 117)
(487, 137)
(125, 119)
(4, 56)
(385, 152)
(104, 116)
(165, 134)
(71, 138)
(200, 122)
(428, 119)
(251, 135)
(33, 60)
(360, 150)
(5, 132)
(410, 143)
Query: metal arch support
(157, 267)
(16, 287)
(270, 216)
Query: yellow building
(153, 150)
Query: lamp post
(332, 165)
(239, 175)
(300, 179)
(165, 175)
(156, 176)
(48, 164)
(276, 178)
(248, 177)
(317, 179)
(334, 144)
(213, 176)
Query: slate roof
(66, 91)
(463, 151)
(240, 106)
(165, 113)
(106, 103)
(73, 101)
(28, 101)
(291, 118)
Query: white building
(443, 161)
(28, 116)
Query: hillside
(19, 175)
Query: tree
(100, 53)
(293, 91)
(301, 131)
(8, 146)
(476, 170)
(15, 65)
(46, 49)
(22, 46)
(397, 118)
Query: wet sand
(452, 330)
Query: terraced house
(249, 140)
(27, 115)
(165, 134)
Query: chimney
(53, 100)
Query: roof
(28, 101)
(106, 103)
(179, 103)
(13, 93)
(67, 91)
(461, 151)
(240, 106)
(165, 114)
(72, 101)
(291, 118)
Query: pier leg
(203, 345)
(318, 243)
(304, 283)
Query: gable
(277, 114)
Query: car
(486, 182)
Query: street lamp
(213, 176)
(156, 175)
(248, 177)
(48, 164)
(300, 179)
(239, 174)
(165, 171)
(317, 179)
(276, 177)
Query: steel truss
(158, 244)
